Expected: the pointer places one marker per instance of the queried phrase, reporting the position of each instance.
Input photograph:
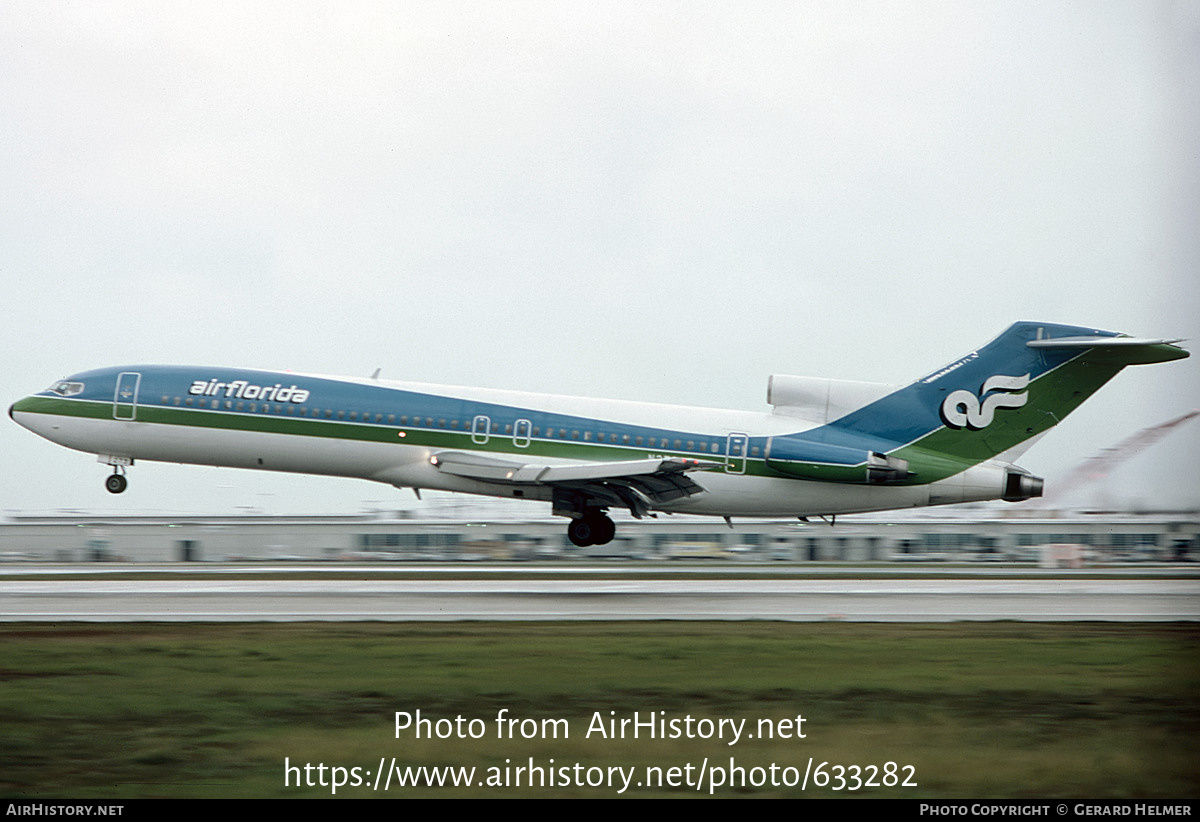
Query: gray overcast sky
(656, 201)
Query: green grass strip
(985, 710)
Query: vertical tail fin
(1016, 387)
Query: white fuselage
(726, 492)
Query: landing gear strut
(116, 483)
(593, 528)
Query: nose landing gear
(116, 483)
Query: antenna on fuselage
(375, 374)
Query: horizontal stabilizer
(1119, 350)
(1098, 342)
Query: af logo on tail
(962, 408)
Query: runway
(864, 600)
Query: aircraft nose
(18, 406)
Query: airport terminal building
(398, 537)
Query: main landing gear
(593, 528)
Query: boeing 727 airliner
(826, 447)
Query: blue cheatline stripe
(395, 408)
(884, 425)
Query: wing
(638, 485)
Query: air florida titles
(243, 390)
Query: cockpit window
(66, 389)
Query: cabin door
(481, 428)
(735, 453)
(125, 398)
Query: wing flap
(635, 484)
(478, 466)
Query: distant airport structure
(398, 539)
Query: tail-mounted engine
(1020, 486)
